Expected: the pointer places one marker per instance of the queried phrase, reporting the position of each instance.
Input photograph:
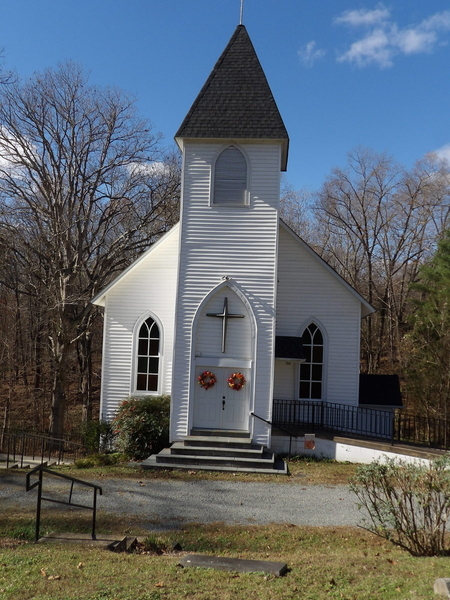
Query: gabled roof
(236, 101)
(100, 298)
(366, 308)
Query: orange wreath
(207, 380)
(236, 381)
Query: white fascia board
(100, 298)
(180, 141)
(366, 308)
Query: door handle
(223, 403)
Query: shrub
(406, 503)
(98, 436)
(142, 426)
(100, 460)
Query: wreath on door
(236, 381)
(207, 380)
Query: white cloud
(384, 40)
(414, 41)
(363, 16)
(373, 48)
(309, 54)
(14, 152)
(443, 153)
(151, 169)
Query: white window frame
(134, 363)
(246, 202)
(324, 333)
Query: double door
(220, 406)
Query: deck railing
(371, 423)
(17, 447)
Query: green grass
(301, 470)
(324, 563)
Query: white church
(231, 309)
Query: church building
(231, 309)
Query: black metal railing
(378, 424)
(40, 470)
(16, 448)
(422, 431)
(286, 431)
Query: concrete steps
(217, 450)
(26, 463)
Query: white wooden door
(221, 407)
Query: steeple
(236, 101)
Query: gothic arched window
(230, 177)
(148, 355)
(311, 371)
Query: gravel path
(165, 504)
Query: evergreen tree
(427, 346)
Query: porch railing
(378, 424)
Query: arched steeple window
(148, 355)
(311, 371)
(230, 178)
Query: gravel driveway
(166, 504)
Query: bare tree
(296, 209)
(5, 76)
(377, 224)
(84, 187)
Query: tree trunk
(85, 362)
(60, 348)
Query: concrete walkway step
(28, 463)
(182, 448)
(238, 565)
(115, 543)
(219, 441)
(229, 433)
(278, 468)
(166, 456)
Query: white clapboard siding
(308, 290)
(227, 241)
(149, 286)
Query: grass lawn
(301, 470)
(324, 563)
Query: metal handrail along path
(41, 469)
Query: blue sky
(343, 72)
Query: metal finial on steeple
(241, 17)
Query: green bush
(98, 436)
(142, 426)
(100, 460)
(406, 503)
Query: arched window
(148, 357)
(311, 371)
(230, 177)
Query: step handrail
(41, 469)
(290, 434)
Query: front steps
(217, 450)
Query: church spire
(236, 101)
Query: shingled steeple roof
(236, 101)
